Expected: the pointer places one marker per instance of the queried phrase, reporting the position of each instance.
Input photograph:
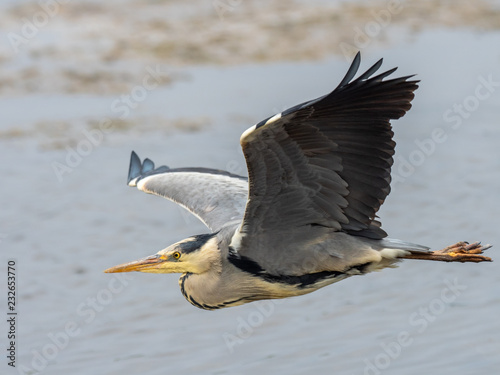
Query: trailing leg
(459, 252)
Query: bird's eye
(176, 255)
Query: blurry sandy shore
(227, 67)
(101, 47)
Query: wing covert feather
(323, 163)
(215, 197)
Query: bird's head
(196, 254)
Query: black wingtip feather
(147, 165)
(134, 169)
(372, 70)
(353, 69)
(381, 76)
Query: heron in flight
(305, 216)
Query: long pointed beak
(144, 265)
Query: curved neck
(214, 290)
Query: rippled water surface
(65, 226)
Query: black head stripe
(195, 243)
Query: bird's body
(305, 217)
(232, 280)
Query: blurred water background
(82, 83)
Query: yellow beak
(148, 264)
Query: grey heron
(306, 215)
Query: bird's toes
(476, 248)
(465, 252)
(458, 247)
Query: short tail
(459, 252)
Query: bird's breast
(210, 293)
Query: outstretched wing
(215, 197)
(323, 163)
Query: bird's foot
(463, 252)
(459, 252)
